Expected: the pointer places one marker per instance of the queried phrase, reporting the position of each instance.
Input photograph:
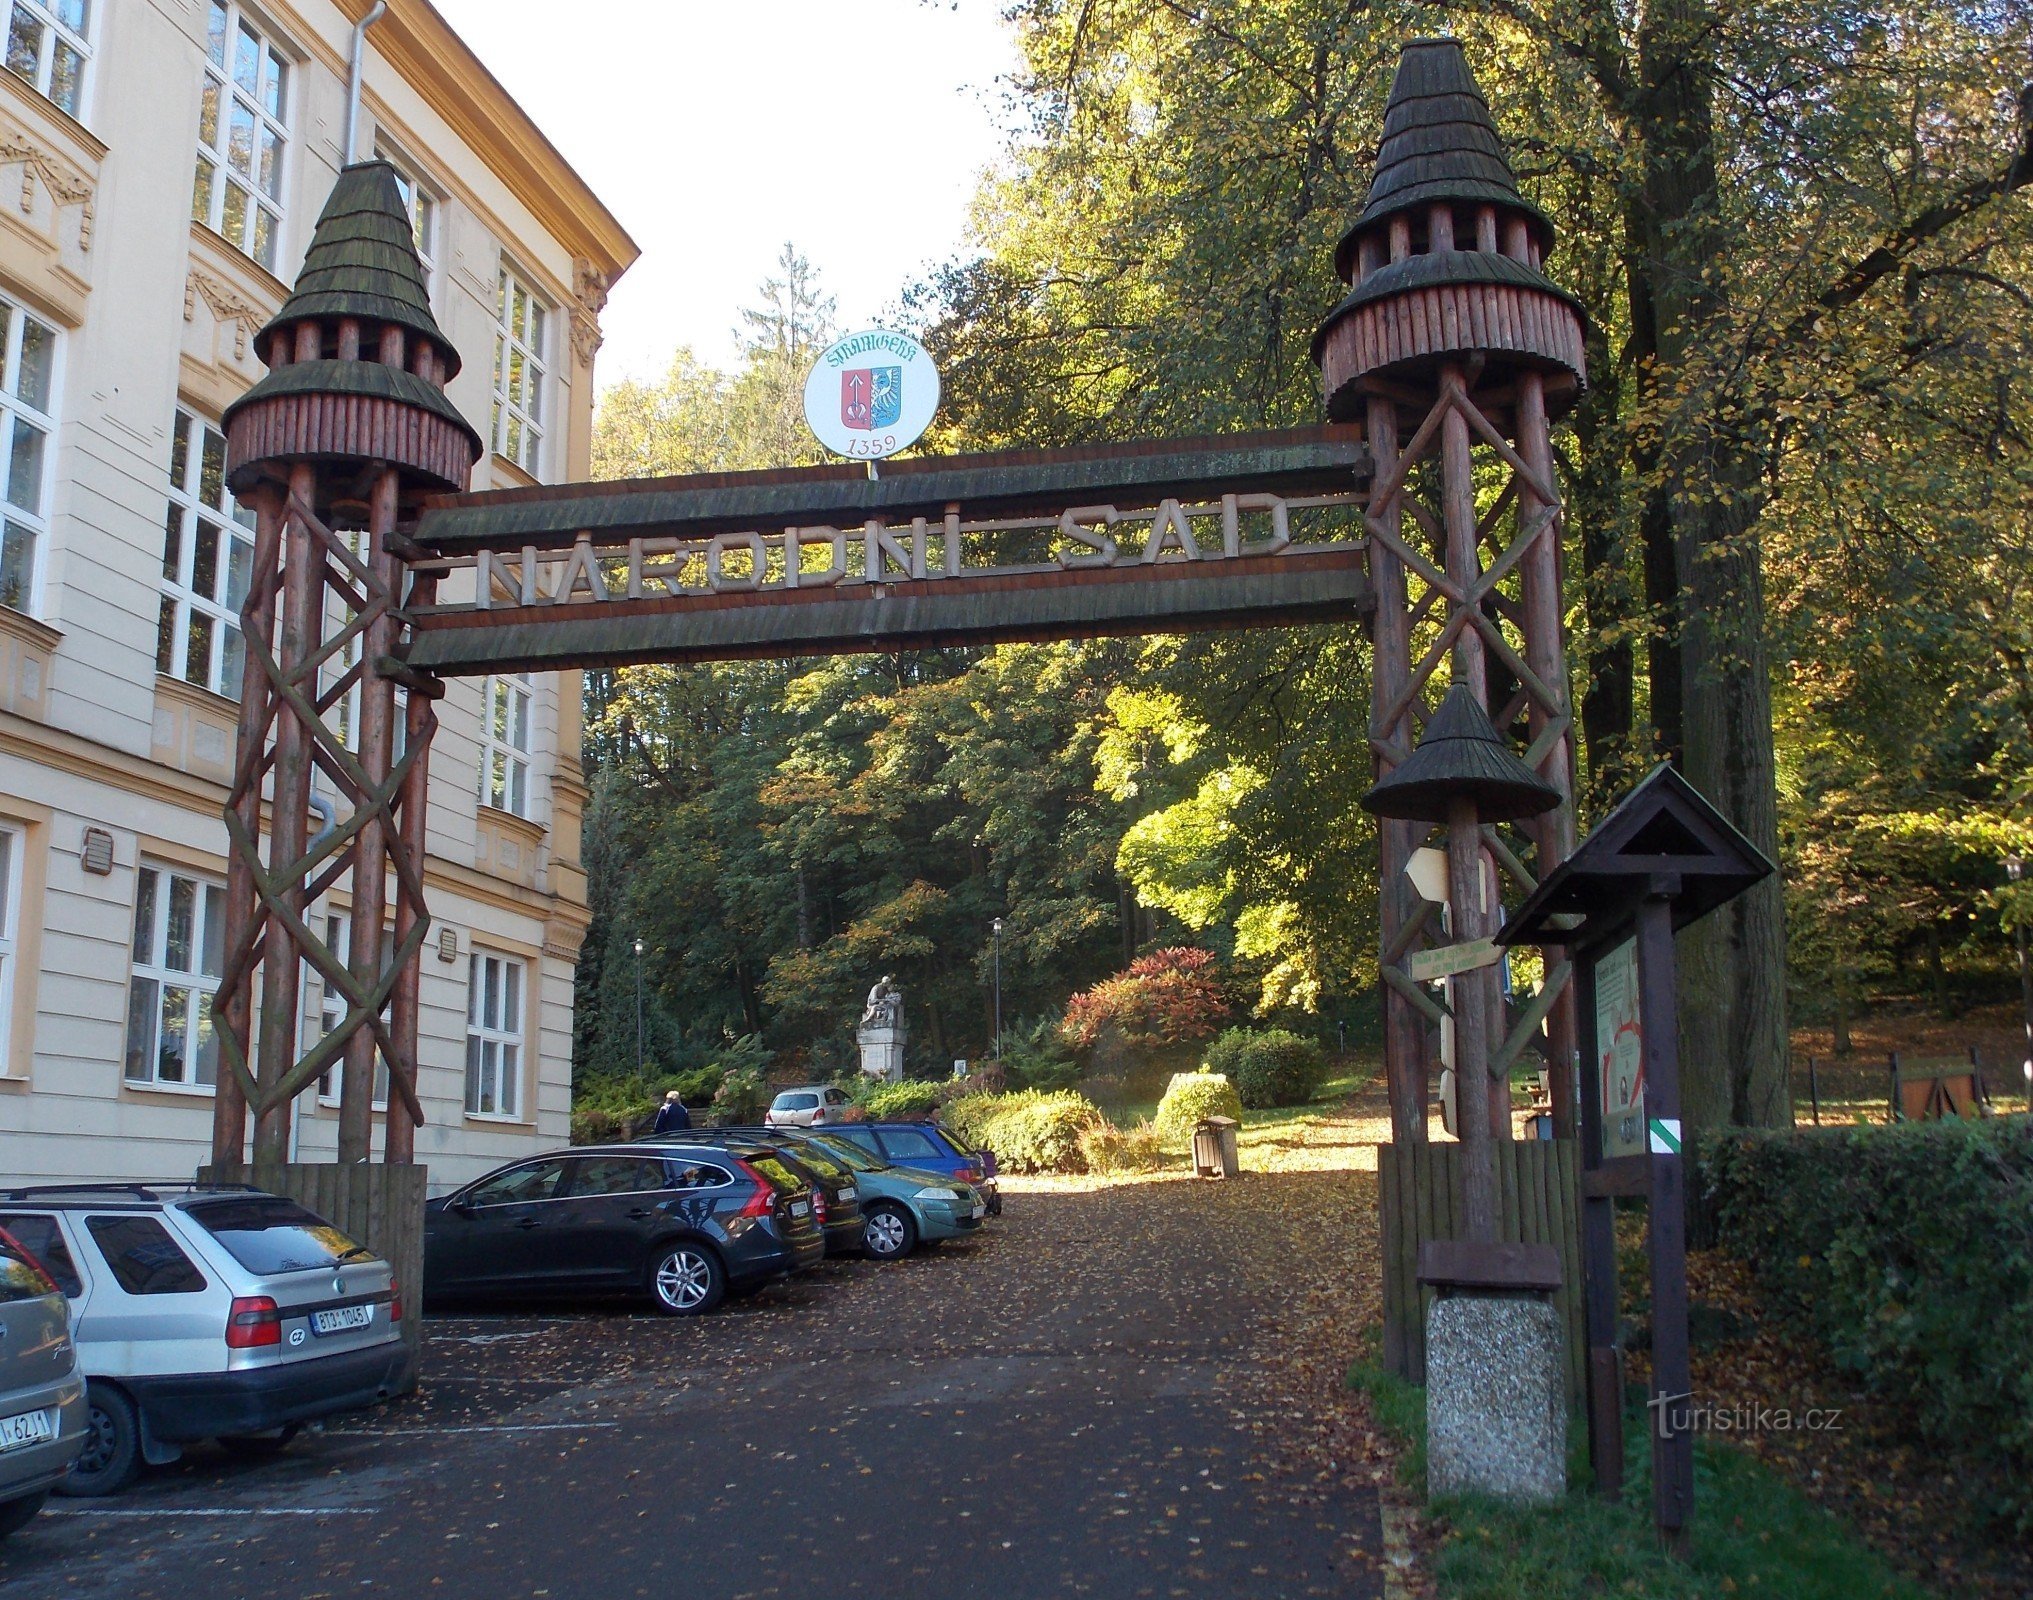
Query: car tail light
(819, 1205)
(818, 1117)
(763, 1201)
(971, 1174)
(394, 1300)
(253, 1322)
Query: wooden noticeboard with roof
(1663, 858)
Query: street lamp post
(638, 1005)
(997, 926)
(2015, 869)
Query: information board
(1620, 1051)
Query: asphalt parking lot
(1053, 1409)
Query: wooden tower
(333, 449)
(1454, 352)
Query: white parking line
(210, 1511)
(505, 1427)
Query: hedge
(1269, 1067)
(885, 1102)
(1190, 1097)
(1908, 1250)
(1029, 1131)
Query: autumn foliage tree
(1169, 997)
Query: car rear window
(144, 1258)
(851, 1155)
(861, 1138)
(267, 1234)
(906, 1145)
(794, 1102)
(20, 1278)
(816, 1157)
(777, 1173)
(41, 1238)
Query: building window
(494, 1037)
(179, 943)
(521, 321)
(332, 1009)
(47, 47)
(243, 130)
(421, 202)
(10, 912)
(504, 743)
(27, 398)
(207, 562)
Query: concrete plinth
(882, 1052)
(1496, 1404)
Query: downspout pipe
(353, 76)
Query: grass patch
(1752, 1533)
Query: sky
(715, 130)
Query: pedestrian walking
(672, 1116)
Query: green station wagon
(900, 1206)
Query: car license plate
(799, 1208)
(980, 1210)
(341, 1320)
(29, 1427)
(847, 1194)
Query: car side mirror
(463, 1207)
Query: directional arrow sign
(1429, 965)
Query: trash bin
(1214, 1148)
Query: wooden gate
(1539, 1192)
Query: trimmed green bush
(1269, 1067)
(1908, 1251)
(1191, 1096)
(883, 1102)
(1030, 1130)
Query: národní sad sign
(871, 394)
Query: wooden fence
(1539, 1189)
(379, 1205)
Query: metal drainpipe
(359, 64)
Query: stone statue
(885, 1007)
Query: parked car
(901, 1208)
(928, 1147)
(42, 1392)
(208, 1313)
(680, 1223)
(835, 1199)
(813, 1105)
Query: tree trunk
(1595, 509)
(1843, 1046)
(1937, 974)
(1732, 963)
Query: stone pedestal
(1496, 1403)
(882, 1051)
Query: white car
(813, 1105)
(207, 1313)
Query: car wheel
(17, 1514)
(686, 1280)
(112, 1453)
(260, 1444)
(889, 1232)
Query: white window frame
(332, 1010)
(149, 955)
(11, 852)
(495, 1035)
(25, 522)
(523, 322)
(507, 706)
(261, 187)
(231, 530)
(63, 25)
(424, 201)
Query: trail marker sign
(871, 394)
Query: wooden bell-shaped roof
(1462, 757)
(362, 262)
(1439, 144)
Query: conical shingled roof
(1439, 143)
(363, 262)
(1462, 757)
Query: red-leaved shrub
(1165, 998)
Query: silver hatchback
(208, 1313)
(42, 1394)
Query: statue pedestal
(882, 1051)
